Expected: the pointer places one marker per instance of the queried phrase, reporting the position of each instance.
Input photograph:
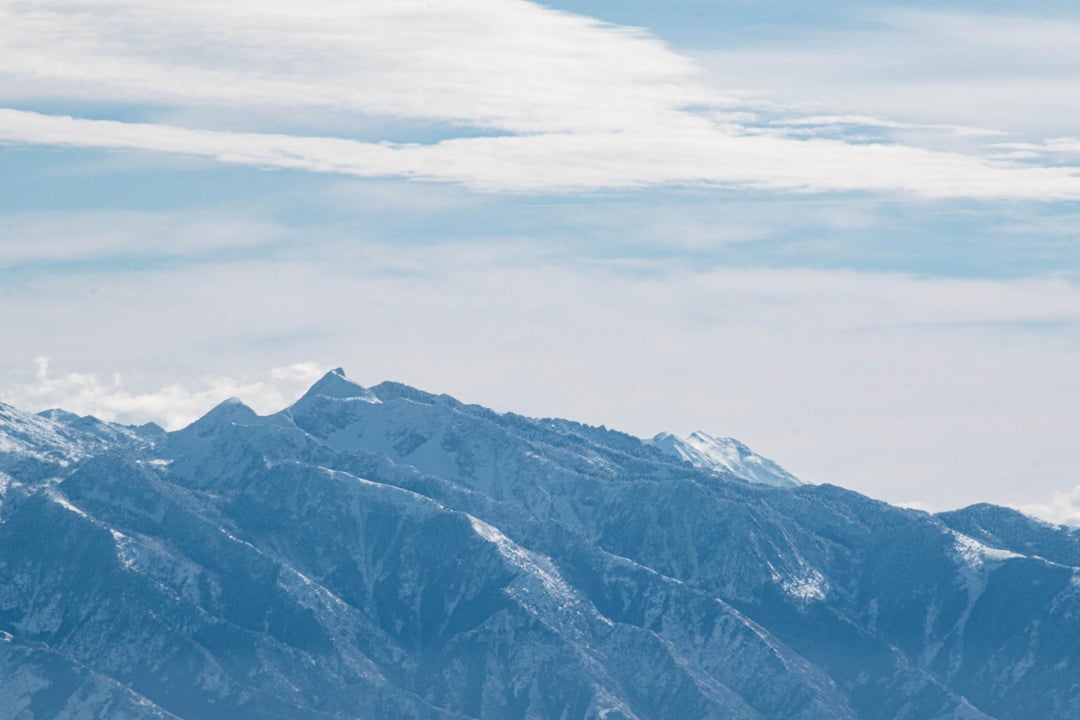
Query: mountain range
(384, 552)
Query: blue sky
(845, 233)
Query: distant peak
(230, 409)
(60, 416)
(149, 429)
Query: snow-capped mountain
(726, 455)
(388, 553)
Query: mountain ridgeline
(374, 553)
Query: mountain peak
(336, 385)
(60, 416)
(229, 410)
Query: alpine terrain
(373, 553)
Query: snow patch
(554, 602)
(125, 549)
(808, 587)
(235, 539)
(63, 502)
(539, 566)
(972, 558)
(974, 554)
(314, 594)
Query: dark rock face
(387, 553)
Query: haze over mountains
(388, 553)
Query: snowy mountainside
(30, 436)
(726, 455)
(389, 553)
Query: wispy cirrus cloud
(525, 99)
(689, 151)
(1006, 71)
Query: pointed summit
(232, 410)
(337, 386)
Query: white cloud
(1063, 508)
(573, 104)
(505, 64)
(1053, 150)
(173, 405)
(915, 505)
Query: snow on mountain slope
(385, 552)
(60, 438)
(37, 437)
(725, 455)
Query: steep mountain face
(387, 553)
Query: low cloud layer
(1062, 508)
(173, 405)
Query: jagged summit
(59, 436)
(89, 423)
